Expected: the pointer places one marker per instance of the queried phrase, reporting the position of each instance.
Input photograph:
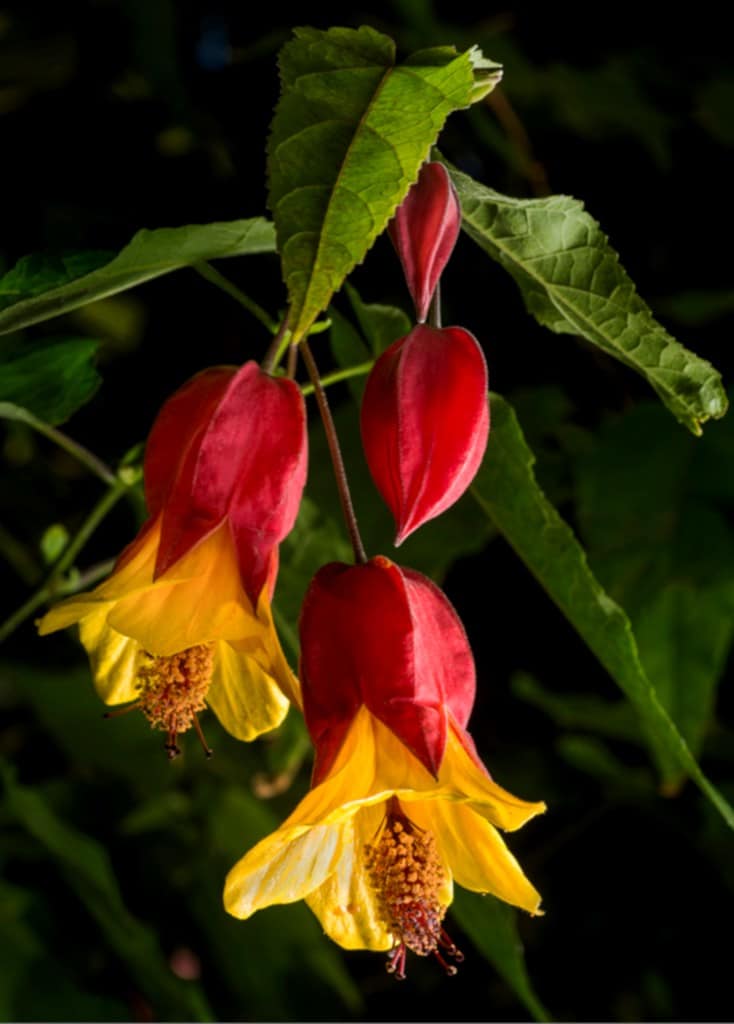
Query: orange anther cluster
(405, 871)
(173, 689)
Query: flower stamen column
(406, 874)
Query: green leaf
(349, 135)
(506, 489)
(656, 524)
(51, 378)
(381, 325)
(87, 867)
(572, 282)
(39, 288)
(684, 637)
(32, 275)
(492, 927)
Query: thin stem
(49, 588)
(278, 345)
(211, 274)
(434, 313)
(333, 378)
(292, 362)
(336, 456)
(105, 504)
(82, 454)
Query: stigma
(406, 874)
(172, 691)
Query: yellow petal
(460, 773)
(271, 656)
(478, 857)
(299, 856)
(284, 867)
(346, 903)
(460, 779)
(113, 658)
(72, 610)
(246, 700)
(199, 600)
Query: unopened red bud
(385, 637)
(424, 232)
(425, 422)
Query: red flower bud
(230, 444)
(425, 422)
(387, 638)
(424, 232)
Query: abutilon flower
(400, 804)
(424, 232)
(425, 422)
(184, 621)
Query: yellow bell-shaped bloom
(374, 849)
(184, 621)
(187, 639)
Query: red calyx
(425, 422)
(424, 232)
(230, 444)
(388, 638)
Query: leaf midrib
(322, 235)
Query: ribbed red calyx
(386, 637)
(424, 232)
(425, 422)
(230, 444)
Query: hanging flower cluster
(400, 805)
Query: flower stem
(82, 454)
(292, 362)
(211, 274)
(434, 313)
(333, 378)
(277, 349)
(336, 456)
(50, 586)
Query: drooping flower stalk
(337, 460)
